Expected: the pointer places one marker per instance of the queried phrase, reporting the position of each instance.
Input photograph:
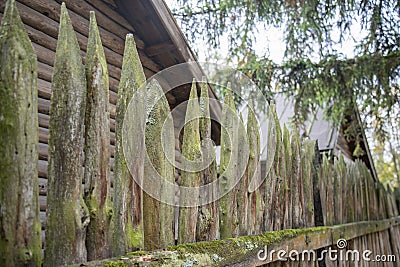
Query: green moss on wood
(215, 253)
(127, 204)
(242, 196)
(97, 136)
(20, 238)
(158, 216)
(191, 174)
(228, 167)
(207, 221)
(307, 159)
(65, 239)
(256, 202)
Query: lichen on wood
(296, 194)
(256, 200)
(207, 228)
(97, 138)
(242, 196)
(158, 216)
(20, 229)
(67, 213)
(228, 168)
(190, 175)
(307, 165)
(127, 202)
(274, 140)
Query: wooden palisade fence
(91, 216)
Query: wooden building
(159, 41)
(331, 138)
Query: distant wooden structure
(331, 138)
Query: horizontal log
(43, 151)
(47, 55)
(42, 202)
(42, 168)
(45, 72)
(51, 10)
(246, 250)
(48, 24)
(43, 135)
(44, 123)
(44, 89)
(44, 108)
(111, 13)
(83, 9)
(44, 148)
(44, 120)
(43, 186)
(43, 219)
(158, 49)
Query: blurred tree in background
(314, 70)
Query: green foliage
(387, 165)
(314, 71)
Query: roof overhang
(166, 45)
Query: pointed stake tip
(92, 16)
(11, 3)
(129, 36)
(10, 10)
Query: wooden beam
(243, 251)
(158, 49)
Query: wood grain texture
(20, 238)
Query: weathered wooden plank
(43, 120)
(250, 250)
(65, 239)
(127, 222)
(43, 186)
(97, 140)
(308, 169)
(288, 179)
(228, 163)
(20, 237)
(280, 170)
(297, 209)
(274, 135)
(44, 89)
(340, 172)
(190, 173)
(256, 199)
(158, 212)
(158, 49)
(327, 191)
(207, 222)
(242, 198)
(284, 178)
(111, 12)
